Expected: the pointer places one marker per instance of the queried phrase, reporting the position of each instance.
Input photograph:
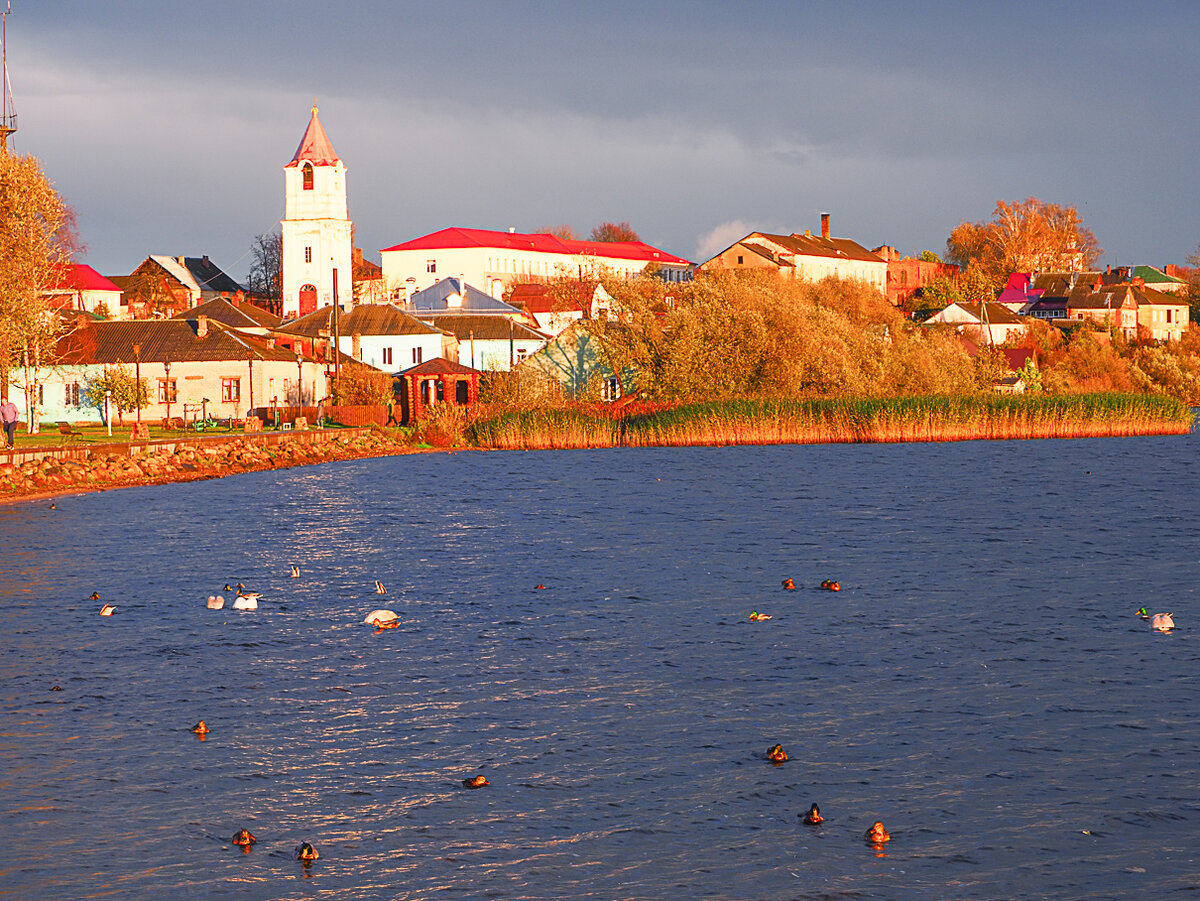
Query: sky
(166, 125)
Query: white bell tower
(315, 226)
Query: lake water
(981, 683)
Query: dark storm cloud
(167, 125)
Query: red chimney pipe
(825, 225)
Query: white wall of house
(393, 353)
(492, 269)
(494, 354)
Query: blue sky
(167, 125)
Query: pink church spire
(315, 146)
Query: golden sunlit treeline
(745, 358)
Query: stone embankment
(101, 467)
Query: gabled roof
(365, 319)
(440, 366)
(1152, 297)
(815, 246)
(1018, 290)
(1061, 284)
(314, 146)
(1108, 297)
(455, 237)
(997, 314)
(435, 299)
(482, 328)
(1153, 276)
(243, 316)
(80, 277)
(197, 273)
(177, 340)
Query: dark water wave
(980, 684)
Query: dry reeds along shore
(840, 420)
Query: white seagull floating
(381, 618)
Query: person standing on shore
(8, 416)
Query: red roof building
(494, 260)
(78, 286)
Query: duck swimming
(201, 728)
(215, 602)
(382, 619)
(1142, 612)
(877, 835)
(1162, 622)
(244, 838)
(756, 617)
(295, 574)
(305, 851)
(789, 584)
(813, 817)
(776, 754)
(108, 610)
(95, 596)
(476, 782)
(830, 585)
(379, 589)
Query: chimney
(1108, 269)
(807, 233)
(1139, 283)
(825, 225)
(358, 257)
(512, 229)
(202, 326)
(205, 259)
(181, 262)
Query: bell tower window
(306, 174)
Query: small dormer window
(306, 173)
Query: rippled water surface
(980, 683)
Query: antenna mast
(8, 113)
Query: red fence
(358, 416)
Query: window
(231, 390)
(166, 391)
(72, 398)
(387, 356)
(308, 254)
(1168, 315)
(431, 265)
(416, 355)
(739, 261)
(307, 175)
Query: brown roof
(997, 313)
(1110, 297)
(244, 315)
(160, 340)
(440, 366)
(365, 319)
(483, 327)
(815, 246)
(1061, 284)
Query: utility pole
(337, 337)
(8, 113)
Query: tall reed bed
(842, 420)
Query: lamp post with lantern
(137, 380)
(167, 389)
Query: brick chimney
(825, 225)
(202, 326)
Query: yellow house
(803, 256)
(1164, 316)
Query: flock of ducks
(383, 619)
(876, 835)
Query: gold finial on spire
(314, 107)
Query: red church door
(308, 299)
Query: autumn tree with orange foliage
(1028, 236)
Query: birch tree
(37, 234)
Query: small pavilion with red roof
(436, 381)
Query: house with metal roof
(803, 256)
(454, 295)
(496, 343)
(79, 287)
(983, 323)
(554, 306)
(235, 313)
(494, 260)
(188, 364)
(163, 286)
(1113, 306)
(380, 335)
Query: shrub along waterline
(840, 420)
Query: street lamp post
(167, 389)
(137, 380)
(108, 415)
(299, 382)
